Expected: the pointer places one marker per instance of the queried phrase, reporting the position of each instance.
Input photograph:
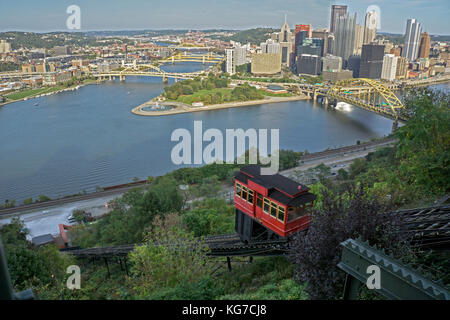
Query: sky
(50, 15)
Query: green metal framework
(398, 282)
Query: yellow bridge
(145, 70)
(203, 58)
(368, 94)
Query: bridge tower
(173, 59)
(204, 60)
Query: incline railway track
(426, 227)
(225, 245)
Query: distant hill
(253, 36)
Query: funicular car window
(281, 213)
(266, 205)
(238, 189)
(258, 200)
(250, 196)
(295, 213)
(244, 193)
(273, 209)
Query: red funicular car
(269, 206)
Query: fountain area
(159, 107)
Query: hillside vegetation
(414, 172)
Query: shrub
(350, 215)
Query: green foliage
(204, 88)
(30, 266)
(244, 68)
(157, 267)
(210, 217)
(132, 215)
(419, 162)
(208, 187)
(254, 36)
(286, 289)
(43, 198)
(266, 278)
(8, 66)
(424, 142)
(289, 159)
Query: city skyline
(47, 15)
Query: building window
(281, 213)
(258, 200)
(250, 196)
(266, 205)
(273, 209)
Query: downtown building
(235, 57)
(266, 63)
(270, 46)
(331, 63)
(285, 40)
(402, 68)
(336, 11)
(345, 29)
(324, 35)
(424, 47)
(370, 27)
(412, 40)
(371, 65)
(389, 68)
(309, 64)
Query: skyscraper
(322, 34)
(336, 11)
(372, 56)
(300, 36)
(303, 27)
(309, 64)
(424, 48)
(285, 40)
(359, 39)
(412, 38)
(235, 57)
(345, 36)
(389, 67)
(370, 27)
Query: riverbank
(185, 108)
(48, 91)
(308, 160)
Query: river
(78, 140)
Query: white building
(230, 67)
(412, 40)
(331, 63)
(389, 67)
(235, 57)
(5, 47)
(270, 46)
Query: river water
(78, 140)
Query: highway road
(43, 218)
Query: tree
(349, 215)
(187, 90)
(210, 217)
(424, 141)
(157, 265)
